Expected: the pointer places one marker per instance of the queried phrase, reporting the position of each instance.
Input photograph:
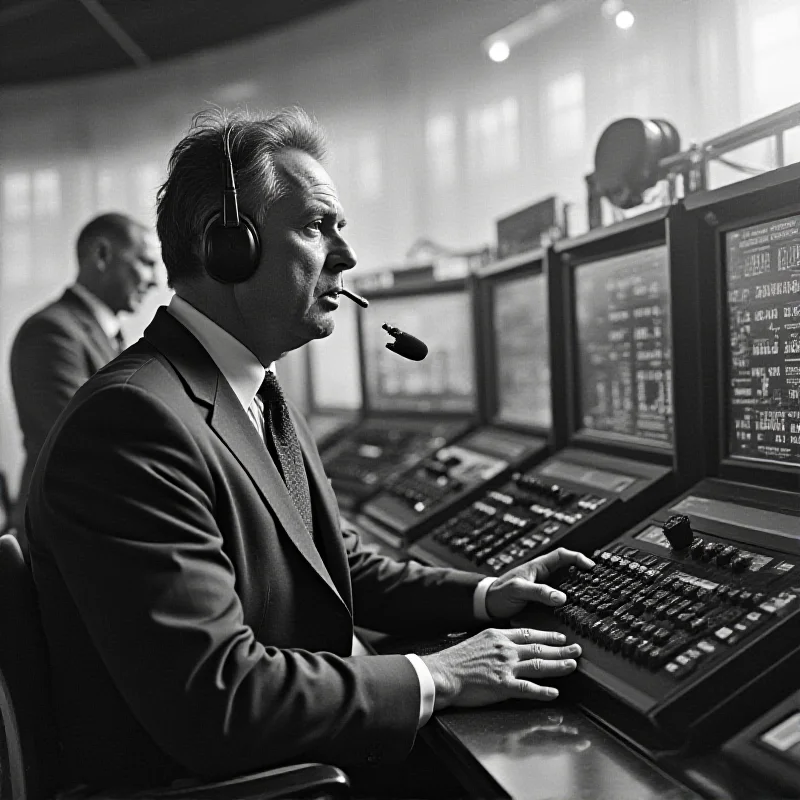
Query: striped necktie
(278, 426)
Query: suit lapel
(230, 422)
(102, 350)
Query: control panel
(410, 502)
(380, 449)
(770, 746)
(686, 611)
(577, 499)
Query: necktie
(278, 426)
(119, 342)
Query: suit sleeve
(406, 597)
(176, 646)
(47, 367)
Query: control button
(734, 594)
(707, 646)
(696, 548)
(678, 530)
(629, 645)
(662, 635)
(678, 670)
(740, 563)
(727, 635)
(698, 624)
(642, 653)
(746, 598)
(725, 555)
(655, 658)
(710, 550)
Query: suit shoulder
(140, 371)
(57, 320)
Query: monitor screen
(334, 365)
(445, 380)
(625, 347)
(522, 351)
(763, 353)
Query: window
(17, 196)
(110, 191)
(493, 139)
(369, 170)
(46, 193)
(565, 115)
(440, 149)
(770, 57)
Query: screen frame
(669, 227)
(774, 196)
(532, 263)
(421, 288)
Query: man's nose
(343, 256)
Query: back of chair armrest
(297, 781)
(25, 694)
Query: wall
(429, 138)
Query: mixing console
(379, 450)
(674, 621)
(412, 501)
(562, 502)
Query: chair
(5, 505)
(32, 769)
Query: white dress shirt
(105, 317)
(244, 372)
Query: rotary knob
(678, 530)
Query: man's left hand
(524, 584)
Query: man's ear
(102, 253)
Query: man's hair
(192, 193)
(117, 228)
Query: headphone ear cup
(231, 254)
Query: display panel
(445, 380)
(624, 340)
(522, 351)
(763, 354)
(334, 367)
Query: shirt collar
(243, 371)
(105, 317)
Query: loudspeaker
(231, 245)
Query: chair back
(5, 504)
(25, 699)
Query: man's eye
(316, 225)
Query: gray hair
(192, 193)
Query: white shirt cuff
(427, 688)
(479, 599)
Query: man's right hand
(500, 665)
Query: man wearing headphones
(197, 589)
(62, 345)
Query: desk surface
(551, 753)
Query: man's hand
(509, 594)
(499, 665)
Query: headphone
(231, 245)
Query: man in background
(63, 344)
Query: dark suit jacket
(54, 353)
(193, 627)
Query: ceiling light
(625, 19)
(499, 51)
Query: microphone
(405, 344)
